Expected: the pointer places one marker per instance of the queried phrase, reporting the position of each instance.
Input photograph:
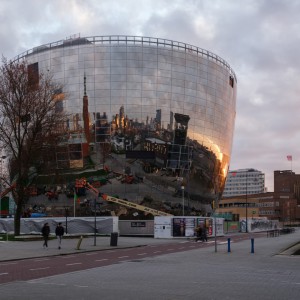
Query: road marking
(81, 286)
(35, 281)
(73, 264)
(101, 259)
(41, 259)
(68, 256)
(156, 251)
(37, 269)
(142, 254)
(3, 274)
(7, 264)
(223, 243)
(91, 253)
(123, 256)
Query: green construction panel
(4, 208)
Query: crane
(83, 183)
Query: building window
(33, 74)
(231, 81)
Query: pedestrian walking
(198, 233)
(204, 235)
(59, 231)
(45, 233)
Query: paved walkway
(10, 250)
(200, 273)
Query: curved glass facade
(165, 109)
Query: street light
(182, 188)
(1, 174)
(247, 202)
(66, 215)
(95, 221)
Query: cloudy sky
(260, 39)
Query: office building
(283, 204)
(244, 182)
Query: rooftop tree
(31, 122)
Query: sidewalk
(12, 250)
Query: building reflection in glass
(160, 109)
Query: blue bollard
(252, 245)
(229, 245)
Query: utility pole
(95, 221)
(1, 179)
(182, 188)
(247, 201)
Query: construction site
(116, 189)
(145, 166)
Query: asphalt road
(38, 267)
(175, 270)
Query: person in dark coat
(45, 233)
(198, 233)
(204, 235)
(59, 231)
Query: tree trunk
(19, 196)
(17, 218)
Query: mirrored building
(158, 110)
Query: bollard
(228, 245)
(114, 239)
(79, 243)
(252, 245)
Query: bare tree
(31, 121)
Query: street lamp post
(66, 215)
(246, 202)
(182, 188)
(215, 203)
(1, 174)
(95, 221)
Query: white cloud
(258, 38)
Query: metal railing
(130, 40)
